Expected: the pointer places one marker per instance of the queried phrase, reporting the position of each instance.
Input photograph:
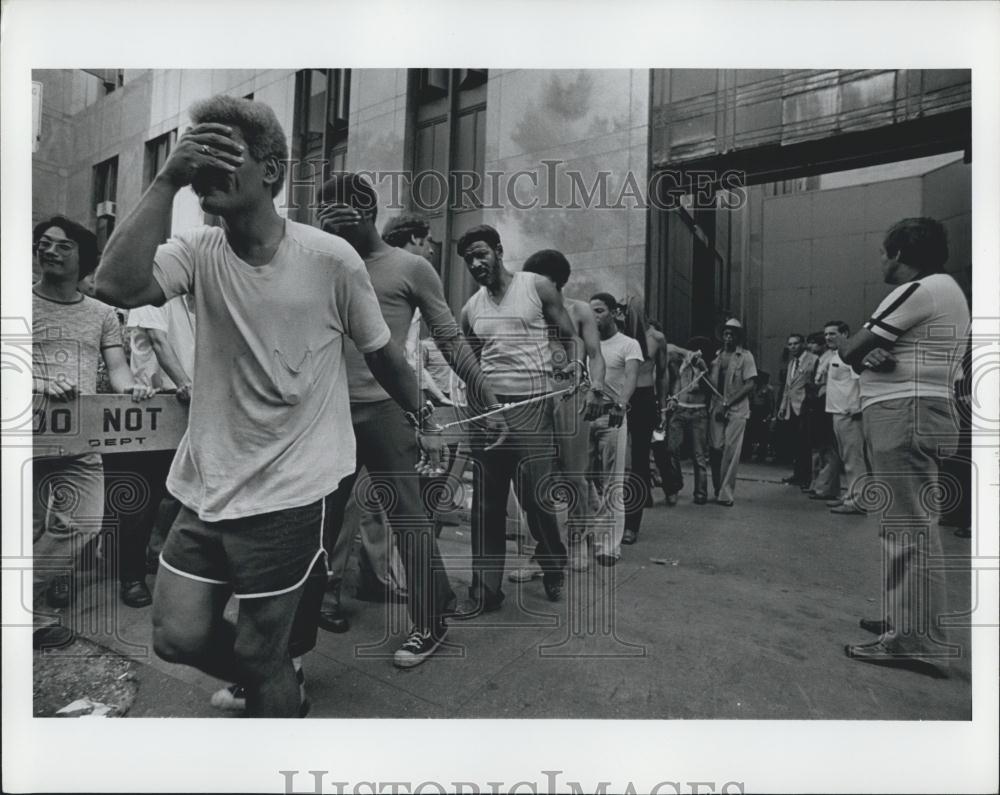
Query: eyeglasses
(59, 246)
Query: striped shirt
(925, 323)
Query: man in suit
(801, 367)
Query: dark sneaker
(135, 593)
(333, 620)
(58, 592)
(419, 646)
(52, 636)
(630, 537)
(553, 589)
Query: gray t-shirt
(270, 422)
(67, 339)
(403, 282)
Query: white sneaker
(234, 697)
(526, 574)
(230, 699)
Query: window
(157, 152)
(448, 111)
(319, 147)
(111, 79)
(105, 193)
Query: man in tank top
(508, 322)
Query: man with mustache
(508, 322)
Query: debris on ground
(82, 679)
(85, 708)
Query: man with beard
(508, 322)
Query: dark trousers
(661, 456)
(526, 459)
(796, 432)
(641, 422)
(134, 486)
(757, 440)
(387, 448)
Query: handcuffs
(421, 421)
(576, 368)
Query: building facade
(701, 191)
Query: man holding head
(269, 434)
(403, 283)
(909, 357)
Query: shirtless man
(572, 428)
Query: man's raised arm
(125, 275)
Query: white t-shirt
(616, 351)
(843, 387)
(926, 324)
(175, 319)
(270, 423)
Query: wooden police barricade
(136, 441)
(108, 424)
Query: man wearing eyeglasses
(71, 332)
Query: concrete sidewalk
(715, 613)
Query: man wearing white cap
(732, 374)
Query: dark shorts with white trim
(267, 554)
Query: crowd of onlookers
(305, 395)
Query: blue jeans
(692, 422)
